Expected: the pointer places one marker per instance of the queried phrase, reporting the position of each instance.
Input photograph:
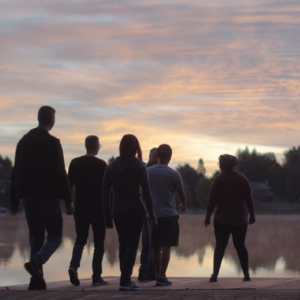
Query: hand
(251, 220)
(207, 222)
(182, 207)
(14, 208)
(70, 208)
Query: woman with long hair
(128, 177)
(231, 195)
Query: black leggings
(222, 233)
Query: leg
(164, 260)
(133, 227)
(156, 253)
(52, 221)
(145, 251)
(36, 229)
(222, 233)
(99, 229)
(239, 236)
(82, 225)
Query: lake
(273, 244)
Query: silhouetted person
(127, 174)
(86, 176)
(230, 194)
(147, 270)
(40, 179)
(164, 183)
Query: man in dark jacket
(40, 179)
(86, 175)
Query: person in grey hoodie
(128, 177)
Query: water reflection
(272, 243)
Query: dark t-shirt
(86, 174)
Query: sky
(205, 77)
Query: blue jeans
(82, 225)
(43, 215)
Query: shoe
(35, 271)
(99, 281)
(129, 286)
(213, 278)
(36, 285)
(246, 278)
(163, 281)
(74, 276)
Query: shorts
(166, 233)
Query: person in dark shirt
(147, 269)
(127, 175)
(86, 175)
(39, 178)
(231, 195)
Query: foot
(36, 285)
(163, 281)
(99, 281)
(213, 278)
(35, 271)
(129, 286)
(246, 278)
(74, 276)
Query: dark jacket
(128, 177)
(86, 174)
(39, 170)
(230, 193)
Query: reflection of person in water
(40, 179)
(231, 194)
(127, 174)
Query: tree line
(284, 178)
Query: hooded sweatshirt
(39, 170)
(129, 178)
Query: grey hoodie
(128, 178)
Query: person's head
(227, 162)
(130, 147)
(152, 156)
(92, 145)
(164, 154)
(46, 117)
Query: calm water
(273, 244)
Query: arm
(183, 199)
(14, 197)
(249, 203)
(107, 186)
(212, 202)
(144, 182)
(64, 182)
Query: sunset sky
(206, 77)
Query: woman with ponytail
(127, 177)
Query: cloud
(218, 75)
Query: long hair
(130, 146)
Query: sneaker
(35, 271)
(129, 286)
(150, 277)
(74, 276)
(246, 278)
(213, 278)
(36, 285)
(163, 281)
(99, 281)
